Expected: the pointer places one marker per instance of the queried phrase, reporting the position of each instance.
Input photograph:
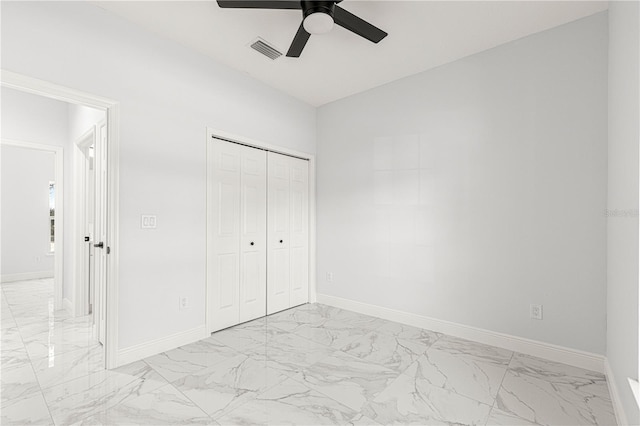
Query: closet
(257, 233)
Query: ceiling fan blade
(359, 26)
(298, 43)
(260, 4)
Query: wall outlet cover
(535, 312)
(184, 303)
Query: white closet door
(288, 232)
(253, 229)
(278, 274)
(223, 257)
(299, 231)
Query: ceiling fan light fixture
(318, 23)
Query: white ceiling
(422, 35)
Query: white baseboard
(69, 306)
(614, 391)
(25, 276)
(153, 347)
(589, 361)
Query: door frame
(212, 133)
(58, 232)
(47, 89)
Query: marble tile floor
(310, 365)
(40, 347)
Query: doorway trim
(51, 90)
(58, 233)
(221, 134)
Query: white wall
(467, 192)
(168, 96)
(81, 119)
(32, 118)
(622, 225)
(26, 174)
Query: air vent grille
(264, 48)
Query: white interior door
(299, 231)
(287, 232)
(100, 228)
(89, 218)
(84, 161)
(87, 266)
(253, 229)
(278, 257)
(223, 254)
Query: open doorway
(39, 285)
(86, 274)
(89, 155)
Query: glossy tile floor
(309, 365)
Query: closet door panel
(299, 231)
(227, 269)
(299, 276)
(278, 219)
(223, 259)
(258, 233)
(253, 241)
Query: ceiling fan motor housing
(309, 7)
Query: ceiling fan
(318, 18)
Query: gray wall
(622, 225)
(467, 192)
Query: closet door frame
(211, 135)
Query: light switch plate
(148, 221)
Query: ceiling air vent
(263, 47)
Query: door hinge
(108, 250)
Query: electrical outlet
(535, 312)
(184, 303)
(329, 277)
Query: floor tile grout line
(219, 362)
(506, 370)
(187, 397)
(326, 395)
(133, 379)
(293, 378)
